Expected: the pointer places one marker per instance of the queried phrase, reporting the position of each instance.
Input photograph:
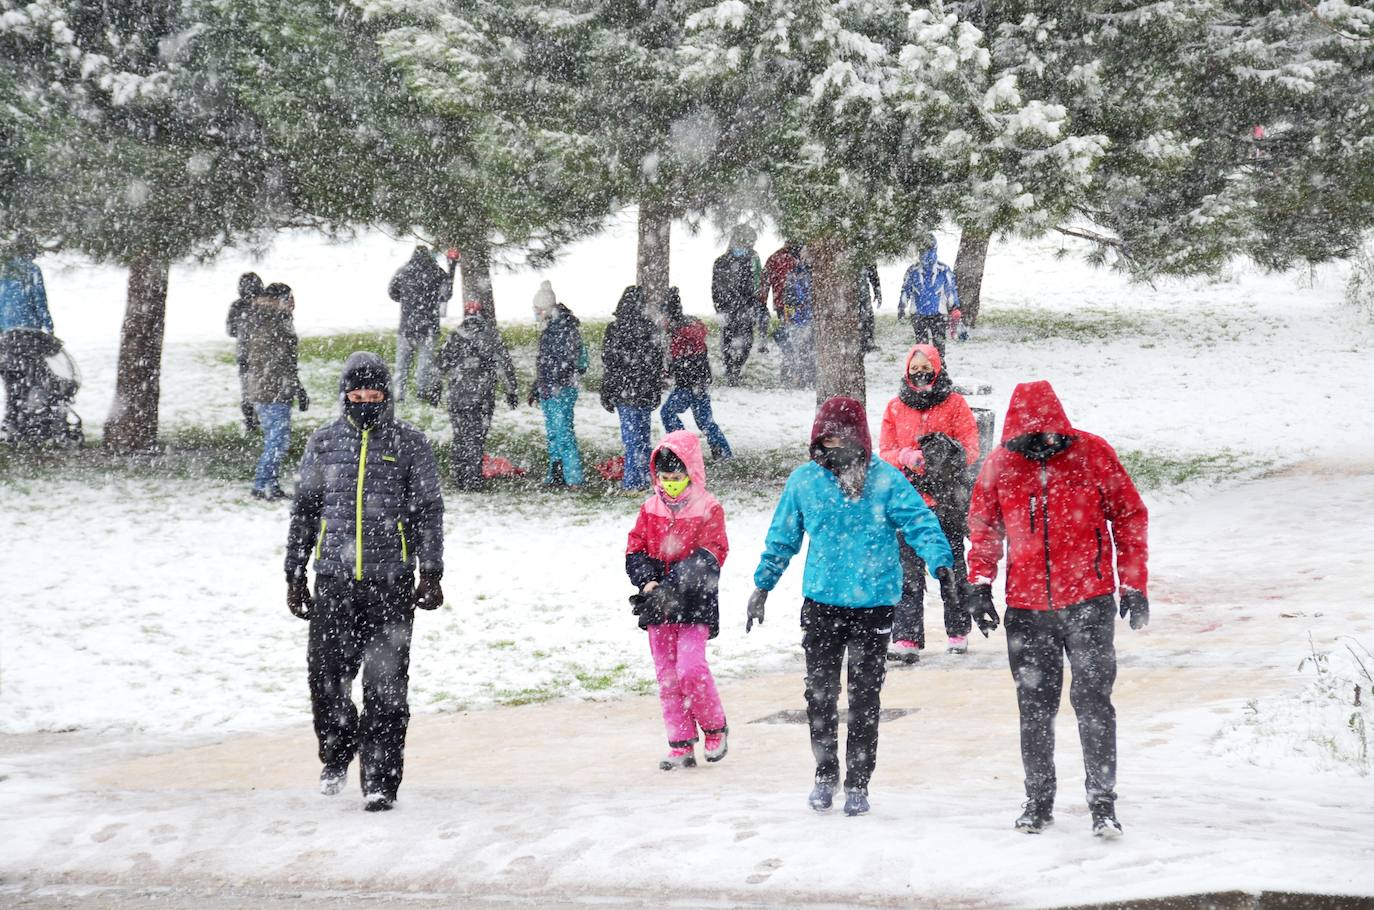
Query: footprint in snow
(764, 871)
(106, 833)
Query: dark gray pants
(1037, 641)
(909, 621)
(828, 632)
(470, 429)
(737, 337)
(931, 330)
(362, 625)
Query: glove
(429, 595)
(298, 599)
(302, 399)
(755, 608)
(979, 600)
(453, 254)
(949, 592)
(512, 401)
(250, 417)
(913, 459)
(607, 405)
(1138, 605)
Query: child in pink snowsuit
(673, 556)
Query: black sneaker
(1036, 818)
(1105, 824)
(332, 780)
(378, 802)
(856, 801)
(822, 795)
(275, 493)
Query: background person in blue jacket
(853, 505)
(23, 305)
(929, 291)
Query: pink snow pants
(685, 685)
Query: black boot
(1105, 824)
(1038, 815)
(822, 795)
(856, 801)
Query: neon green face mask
(674, 488)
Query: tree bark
(839, 345)
(968, 274)
(132, 425)
(652, 260)
(475, 269)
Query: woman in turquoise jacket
(852, 504)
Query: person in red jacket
(1060, 502)
(930, 435)
(673, 557)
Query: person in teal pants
(562, 358)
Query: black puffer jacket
(381, 520)
(632, 356)
(472, 358)
(420, 286)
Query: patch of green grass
(527, 696)
(1033, 324)
(1160, 471)
(593, 681)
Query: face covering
(921, 379)
(674, 488)
(364, 414)
(839, 458)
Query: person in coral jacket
(930, 435)
(1062, 505)
(673, 557)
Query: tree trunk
(652, 260)
(839, 344)
(132, 425)
(968, 273)
(475, 266)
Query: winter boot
(1038, 816)
(378, 802)
(856, 801)
(822, 795)
(1105, 824)
(958, 644)
(679, 757)
(716, 744)
(332, 780)
(904, 651)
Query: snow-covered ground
(145, 615)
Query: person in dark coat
(870, 297)
(250, 287)
(632, 380)
(421, 287)
(23, 306)
(369, 507)
(1058, 502)
(735, 279)
(272, 380)
(561, 360)
(472, 359)
(690, 369)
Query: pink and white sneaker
(958, 644)
(679, 757)
(904, 651)
(716, 744)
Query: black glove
(250, 417)
(429, 595)
(512, 401)
(755, 608)
(979, 600)
(302, 399)
(949, 592)
(298, 599)
(1138, 605)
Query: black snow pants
(827, 632)
(737, 337)
(932, 330)
(866, 335)
(909, 621)
(362, 625)
(470, 428)
(1037, 641)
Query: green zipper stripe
(319, 544)
(358, 515)
(405, 553)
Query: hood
(544, 298)
(1035, 408)
(844, 417)
(928, 259)
(631, 303)
(685, 445)
(930, 353)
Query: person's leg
(275, 420)
(706, 422)
(868, 631)
(552, 438)
(1090, 643)
(405, 352)
(823, 641)
(677, 719)
(806, 354)
(940, 333)
(634, 434)
(465, 451)
(957, 619)
(424, 360)
(731, 349)
(386, 684)
(866, 324)
(679, 400)
(332, 661)
(566, 401)
(1035, 650)
(908, 622)
(700, 697)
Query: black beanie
(667, 462)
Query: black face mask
(1039, 446)
(922, 379)
(364, 414)
(839, 458)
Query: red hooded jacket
(1060, 519)
(903, 425)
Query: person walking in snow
(562, 358)
(23, 305)
(673, 556)
(853, 505)
(775, 271)
(632, 381)
(930, 435)
(1060, 503)
(272, 380)
(870, 297)
(690, 369)
(421, 287)
(797, 336)
(473, 357)
(369, 507)
(735, 278)
(250, 288)
(930, 293)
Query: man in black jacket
(473, 357)
(735, 278)
(368, 505)
(421, 287)
(632, 381)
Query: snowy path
(562, 799)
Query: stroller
(41, 381)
